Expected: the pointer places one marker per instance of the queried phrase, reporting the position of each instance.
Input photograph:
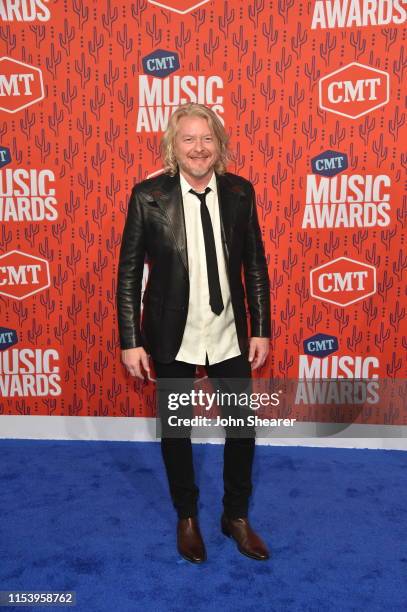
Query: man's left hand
(258, 351)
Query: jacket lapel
(169, 199)
(170, 202)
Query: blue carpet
(95, 518)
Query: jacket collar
(185, 186)
(168, 196)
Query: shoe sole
(197, 561)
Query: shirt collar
(185, 186)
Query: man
(198, 226)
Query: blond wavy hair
(194, 110)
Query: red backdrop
(312, 96)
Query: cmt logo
(8, 337)
(161, 63)
(22, 275)
(5, 156)
(20, 85)
(343, 281)
(354, 90)
(320, 345)
(329, 163)
(179, 6)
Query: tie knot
(201, 196)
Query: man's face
(195, 147)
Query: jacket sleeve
(256, 275)
(130, 274)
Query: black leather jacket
(155, 228)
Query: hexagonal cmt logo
(22, 274)
(354, 90)
(179, 6)
(343, 281)
(20, 85)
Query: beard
(200, 173)
(197, 171)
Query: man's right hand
(134, 359)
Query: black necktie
(215, 294)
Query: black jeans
(238, 451)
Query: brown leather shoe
(189, 540)
(248, 542)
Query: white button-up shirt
(205, 332)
